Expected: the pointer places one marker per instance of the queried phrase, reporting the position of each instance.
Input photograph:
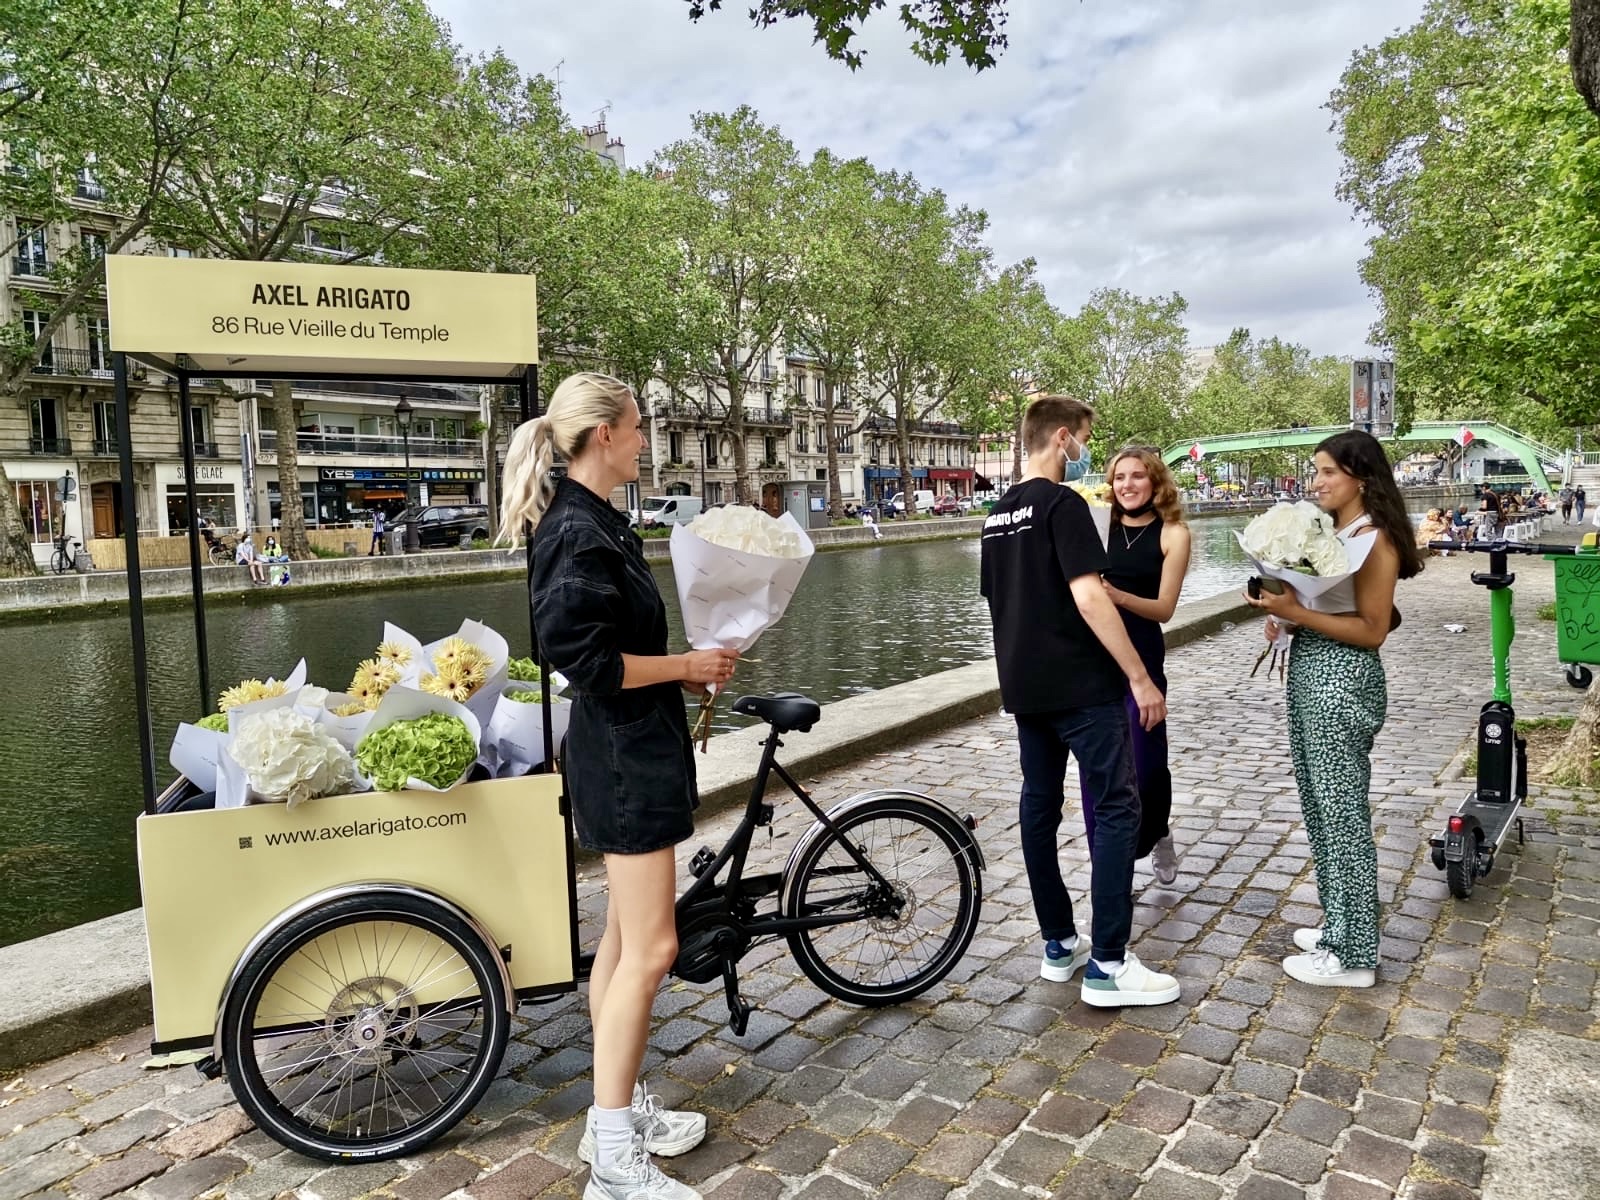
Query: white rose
(289, 759)
(748, 530)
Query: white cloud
(1159, 146)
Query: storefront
(954, 481)
(350, 495)
(883, 482)
(35, 484)
(218, 494)
(452, 485)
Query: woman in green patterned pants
(1338, 697)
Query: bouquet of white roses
(736, 569)
(197, 748)
(1296, 545)
(1098, 497)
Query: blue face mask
(1076, 468)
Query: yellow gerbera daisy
(248, 691)
(470, 671)
(451, 650)
(354, 709)
(394, 652)
(372, 679)
(451, 687)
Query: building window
(819, 387)
(802, 434)
(87, 187)
(713, 493)
(674, 447)
(45, 433)
(34, 499)
(200, 427)
(179, 252)
(841, 434)
(93, 244)
(709, 449)
(822, 474)
(771, 458)
(98, 330)
(214, 500)
(105, 427)
(32, 250)
(33, 323)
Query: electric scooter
(1474, 832)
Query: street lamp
(402, 412)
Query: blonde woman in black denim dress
(629, 760)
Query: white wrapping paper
(477, 634)
(513, 743)
(730, 598)
(195, 752)
(1320, 593)
(232, 784)
(346, 731)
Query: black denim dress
(629, 761)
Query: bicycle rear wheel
(907, 932)
(365, 1028)
(59, 563)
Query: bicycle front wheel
(365, 1028)
(59, 562)
(904, 933)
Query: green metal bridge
(1539, 460)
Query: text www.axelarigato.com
(360, 829)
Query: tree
(101, 94)
(927, 353)
(1585, 51)
(973, 29)
(740, 185)
(326, 148)
(1125, 355)
(1021, 360)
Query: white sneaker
(666, 1133)
(636, 1178)
(1061, 968)
(1134, 984)
(1322, 968)
(1164, 861)
(1307, 939)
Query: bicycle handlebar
(1503, 547)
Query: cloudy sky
(1155, 145)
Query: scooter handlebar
(1503, 547)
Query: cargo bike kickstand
(1473, 834)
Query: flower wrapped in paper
(419, 741)
(196, 748)
(468, 667)
(1296, 545)
(1098, 497)
(736, 570)
(513, 741)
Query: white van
(924, 501)
(668, 510)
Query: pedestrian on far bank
(1579, 499)
(1337, 699)
(1566, 505)
(629, 763)
(1065, 662)
(1149, 555)
(377, 533)
(245, 556)
(1490, 514)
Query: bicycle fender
(339, 893)
(844, 807)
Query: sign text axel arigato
(291, 295)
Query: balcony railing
(370, 445)
(107, 447)
(77, 364)
(35, 266)
(205, 450)
(56, 447)
(767, 416)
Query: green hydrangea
(524, 697)
(434, 748)
(523, 670)
(216, 722)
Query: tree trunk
(1016, 446)
(1584, 52)
(736, 441)
(286, 420)
(16, 547)
(902, 434)
(491, 454)
(835, 491)
(1573, 764)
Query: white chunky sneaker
(1307, 939)
(1164, 861)
(1322, 968)
(1060, 964)
(666, 1133)
(635, 1178)
(1133, 984)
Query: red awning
(950, 473)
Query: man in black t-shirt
(1063, 654)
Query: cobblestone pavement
(1000, 1083)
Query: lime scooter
(1473, 834)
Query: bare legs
(636, 951)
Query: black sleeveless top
(1136, 560)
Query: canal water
(69, 766)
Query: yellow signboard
(220, 315)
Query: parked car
(897, 502)
(668, 510)
(443, 524)
(946, 506)
(965, 503)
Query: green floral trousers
(1338, 697)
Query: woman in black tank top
(1149, 554)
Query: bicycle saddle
(784, 712)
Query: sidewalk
(998, 1083)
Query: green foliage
(972, 29)
(216, 723)
(523, 670)
(435, 748)
(1125, 355)
(1477, 165)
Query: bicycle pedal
(739, 1017)
(702, 859)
